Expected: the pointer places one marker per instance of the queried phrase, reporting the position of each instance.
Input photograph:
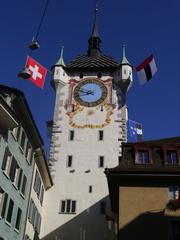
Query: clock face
(90, 92)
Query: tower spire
(95, 28)
(61, 60)
(124, 59)
(94, 40)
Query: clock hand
(86, 91)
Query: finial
(96, 9)
(95, 30)
(62, 50)
(124, 50)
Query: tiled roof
(85, 62)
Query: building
(20, 144)
(145, 190)
(89, 126)
(41, 182)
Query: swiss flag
(38, 72)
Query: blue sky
(144, 26)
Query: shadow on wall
(91, 223)
(147, 226)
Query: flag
(135, 130)
(146, 70)
(38, 72)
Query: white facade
(41, 182)
(35, 199)
(78, 158)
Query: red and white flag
(38, 72)
(146, 69)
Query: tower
(89, 125)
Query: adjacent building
(41, 182)
(20, 144)
(145, 190)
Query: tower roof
(94, 60)
(124, 59)
(85, 62)
(60, 62)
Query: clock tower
(89, 126)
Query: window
(10, 211)
(34, 216)
(6, 165)
(13, 169)
(102, 207)
(124, 71)
(99, 75)
(18, 219)
(68, 206)
(142, 157)
(81, 75)
(101, 135)
(71, 135)
(23, 187)
(29, 153)
(23, 137)
(101, 161)
(14, 132)
(38, 187)
(171, 157)
(37, 184)
(3, 202)
(38, 222)
(19, 179)
(35, 181)
(90, 189)
(69, 161)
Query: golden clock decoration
(90, 112)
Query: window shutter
(42, 195)
(39, 223)
(35, 181)
(18, 219)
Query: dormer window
(99, 75)
(142, 157)
(171, 157)
(81, 75)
